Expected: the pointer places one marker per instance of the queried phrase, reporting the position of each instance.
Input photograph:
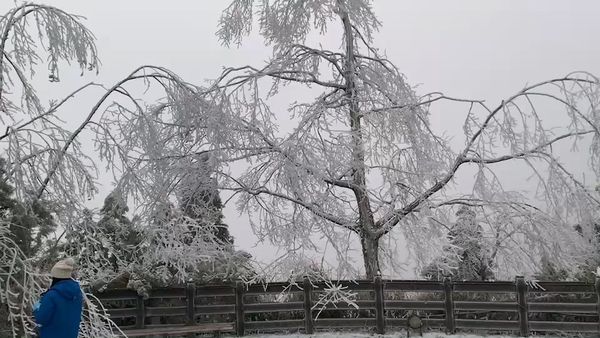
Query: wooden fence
(384, 305)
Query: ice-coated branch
(161, 74)
(63, 35)
(390, 220)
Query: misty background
(485, 50)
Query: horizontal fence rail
(379, 305)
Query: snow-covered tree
(108, 247)
(467, 255)
(30, 222)
(122, 237)
(199, 198)
(45, 160)
(550, 272)
(362, 157)
(590, 234)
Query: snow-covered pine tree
(467, 255)
(590, 234)
(30, 222)
(198, 197)
(122, 239)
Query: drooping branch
(386, 223)
(315, 209)
(49, 112)
(73, 41)
(163, 74)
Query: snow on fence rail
(380, 305)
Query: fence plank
(261, 289)
(345, 322)
(563, 307)
(597, 287)
(276, 324)
(239, 309)
(379, 305)
(489, 287)
(140, 313)
(215, 291)
(273, 307)
(308, 318)
(562, 287)
(487, 306)
(168, 293)
(359, 285)
(362, 305)
(541, 326)
(191, 304)
(117, 294)
(214, 309)
(522, 301)
(449, 306)
(414, 305)
(427, 322)
(122, 313)
(166, 311)
(487, 324)
(413, 285)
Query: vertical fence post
(597, 285)
(308, 319)
(449, 306)
(523, 308)
(140, 312)
(239, 309)
(379, 305)
(190, 295)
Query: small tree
(122, 238)
(466, 257)
(29, 222)
(199, 198)
(590, 233)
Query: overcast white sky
(476, 49)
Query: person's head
(62, 270)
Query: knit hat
(63, 269)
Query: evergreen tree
(199, 198)
(118, 231)
(465, 258)
(109, 245)
(29, 222)
(587, 270)
(551, 272)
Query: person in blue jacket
(58, 313)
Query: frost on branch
(43, 156)
(283, 23)
(60, 34)
(363, 158)
(20, 287)
(334, 294)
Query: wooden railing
(383, 305)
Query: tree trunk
(370, 243)
(370, 249)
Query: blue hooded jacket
(60, 309)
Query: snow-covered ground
(394, 335)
